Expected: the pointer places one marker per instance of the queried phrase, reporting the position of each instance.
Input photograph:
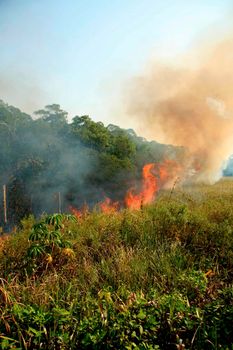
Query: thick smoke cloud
(190, 105)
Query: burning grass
(155, 278)
(155, 176)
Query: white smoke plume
(190, 106)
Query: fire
(168, 172)
(149, 188)
(108, 206)
(76, 212)
(154, 177)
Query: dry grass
(176, 254)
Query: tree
(90, 133)
(123, 147)
(53, 114)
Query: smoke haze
(190, 106)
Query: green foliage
(46, 239)
(83, 160)
(53, 114)
(157, 278)
(91, 133)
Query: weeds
(159, 278)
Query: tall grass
(158, 278)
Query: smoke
(21, 90)
(190, 104)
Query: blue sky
(81, 53)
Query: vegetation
(157, 278)
(83, 160)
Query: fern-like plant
(46, 236)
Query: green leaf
(141, 315)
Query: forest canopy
(83, 161)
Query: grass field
(157, 278)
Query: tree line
(82, 161)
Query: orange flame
(168, 171)
(108, 206)
(154, 177)
(149, 188)
(77, 213)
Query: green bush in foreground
(159, 278)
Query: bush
(157, 278)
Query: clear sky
(80, 53)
